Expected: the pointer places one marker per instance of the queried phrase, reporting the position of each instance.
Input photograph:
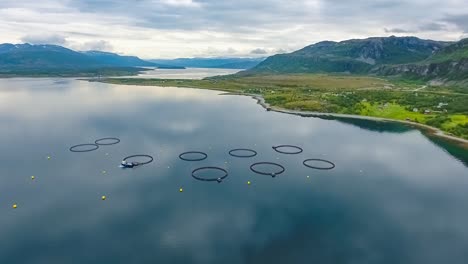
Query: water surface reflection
(392, 198)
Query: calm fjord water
(394, 196)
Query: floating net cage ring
(218, 179)
(203, 156)
(332, 165)
(99, 141)
(253, 153)
(76, 148)
(150, 159)
(277, 149)
(272, 174)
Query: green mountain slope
(453, 52)
(30, 58)
(447, 64)
(26, 56)
(354, 56)
(117, 60)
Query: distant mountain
(447, 64)
(353, 56)
(117, 60)
(30, 58)
(26, 56)
(454, 52)
(222, 63)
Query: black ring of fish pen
(73, 148)
(254, 153)
(332, 165)
(272, 174)
(299, 149)
(218, 179)
(140, 155)
(204, 155)
(98, 142)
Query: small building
(442, 105)
(427, 111)
(415, 110)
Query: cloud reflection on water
(391, 194)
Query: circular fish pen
(203, 156)
(102, 141)
(252, 152)
(330, 164)
(84, 148)
(217, 179)
(296, 150)
(272, 174)
(138, 163)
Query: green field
(444, 108)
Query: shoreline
(425, 129)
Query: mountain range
(221, 63)
(385, 56)
(449, 65)
(27, 57)
(404, 56)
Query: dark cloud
(461, 21)
(166, 27)
(281, 51)
(44, 39)
(83, 34)
(397, 30)
(239, 16)
(258, 51)
(100, 45)
(433, 27)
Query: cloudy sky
(230, 28)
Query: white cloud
(259, 51)
(44, 39)
(187, 28)
(185, 3)
(100, 45)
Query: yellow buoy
(181, 190)
(48, 157)
(248, 182)
(308, 176)
(15, 206)
(103, 172)
(103, 197)
(33, 177)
